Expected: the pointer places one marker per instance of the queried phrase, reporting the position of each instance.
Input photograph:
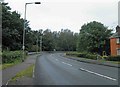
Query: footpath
(98, 62)
(8, 73)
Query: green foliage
(11, 56)
(93, 56)
(95, 37)
(4, 66)
(67, 40)
(27, 72)
(112, 58)
(48, 44)
(64, 40)
(12, 29)
(83, 55)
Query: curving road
(54, 69)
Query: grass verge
(7, 65)
(87, 56)
(27, 72)
(4, 66)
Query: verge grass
(24, 73)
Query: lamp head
(37, 2)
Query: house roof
(117, 34)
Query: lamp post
(23, 47)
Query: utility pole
(41, 43)
(37, 44)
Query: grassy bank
(25, 73)
(11, 58)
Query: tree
(67, 40)
(94, 36)
(12, 28)
(48, 44)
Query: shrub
(113, 58)
(91, 56)
(11, 56)
(83, 55)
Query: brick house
(115, 42)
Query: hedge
(93, 56)
(11, 56)
(83, 55)
(112, 58)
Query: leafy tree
(67, 40)
(12, 28)
(92, 37)
(47, 41)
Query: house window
(118, 51)
(118, 40)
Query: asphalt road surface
(54, 69)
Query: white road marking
(98, 74)
(67, 63)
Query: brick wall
(113, 46)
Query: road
(54, 69)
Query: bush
(83, 55)
(113, 58)
(11, 56)
(93, 56)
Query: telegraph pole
(41, 43)
(37, 43)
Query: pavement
(54, 69)
(10, 72)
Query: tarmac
(10, 72)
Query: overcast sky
(67, 14)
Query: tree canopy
(12, 28)
(95, 37)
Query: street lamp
(23, 47)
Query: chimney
(118, 30)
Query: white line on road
(67, 63)
(98, 74)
